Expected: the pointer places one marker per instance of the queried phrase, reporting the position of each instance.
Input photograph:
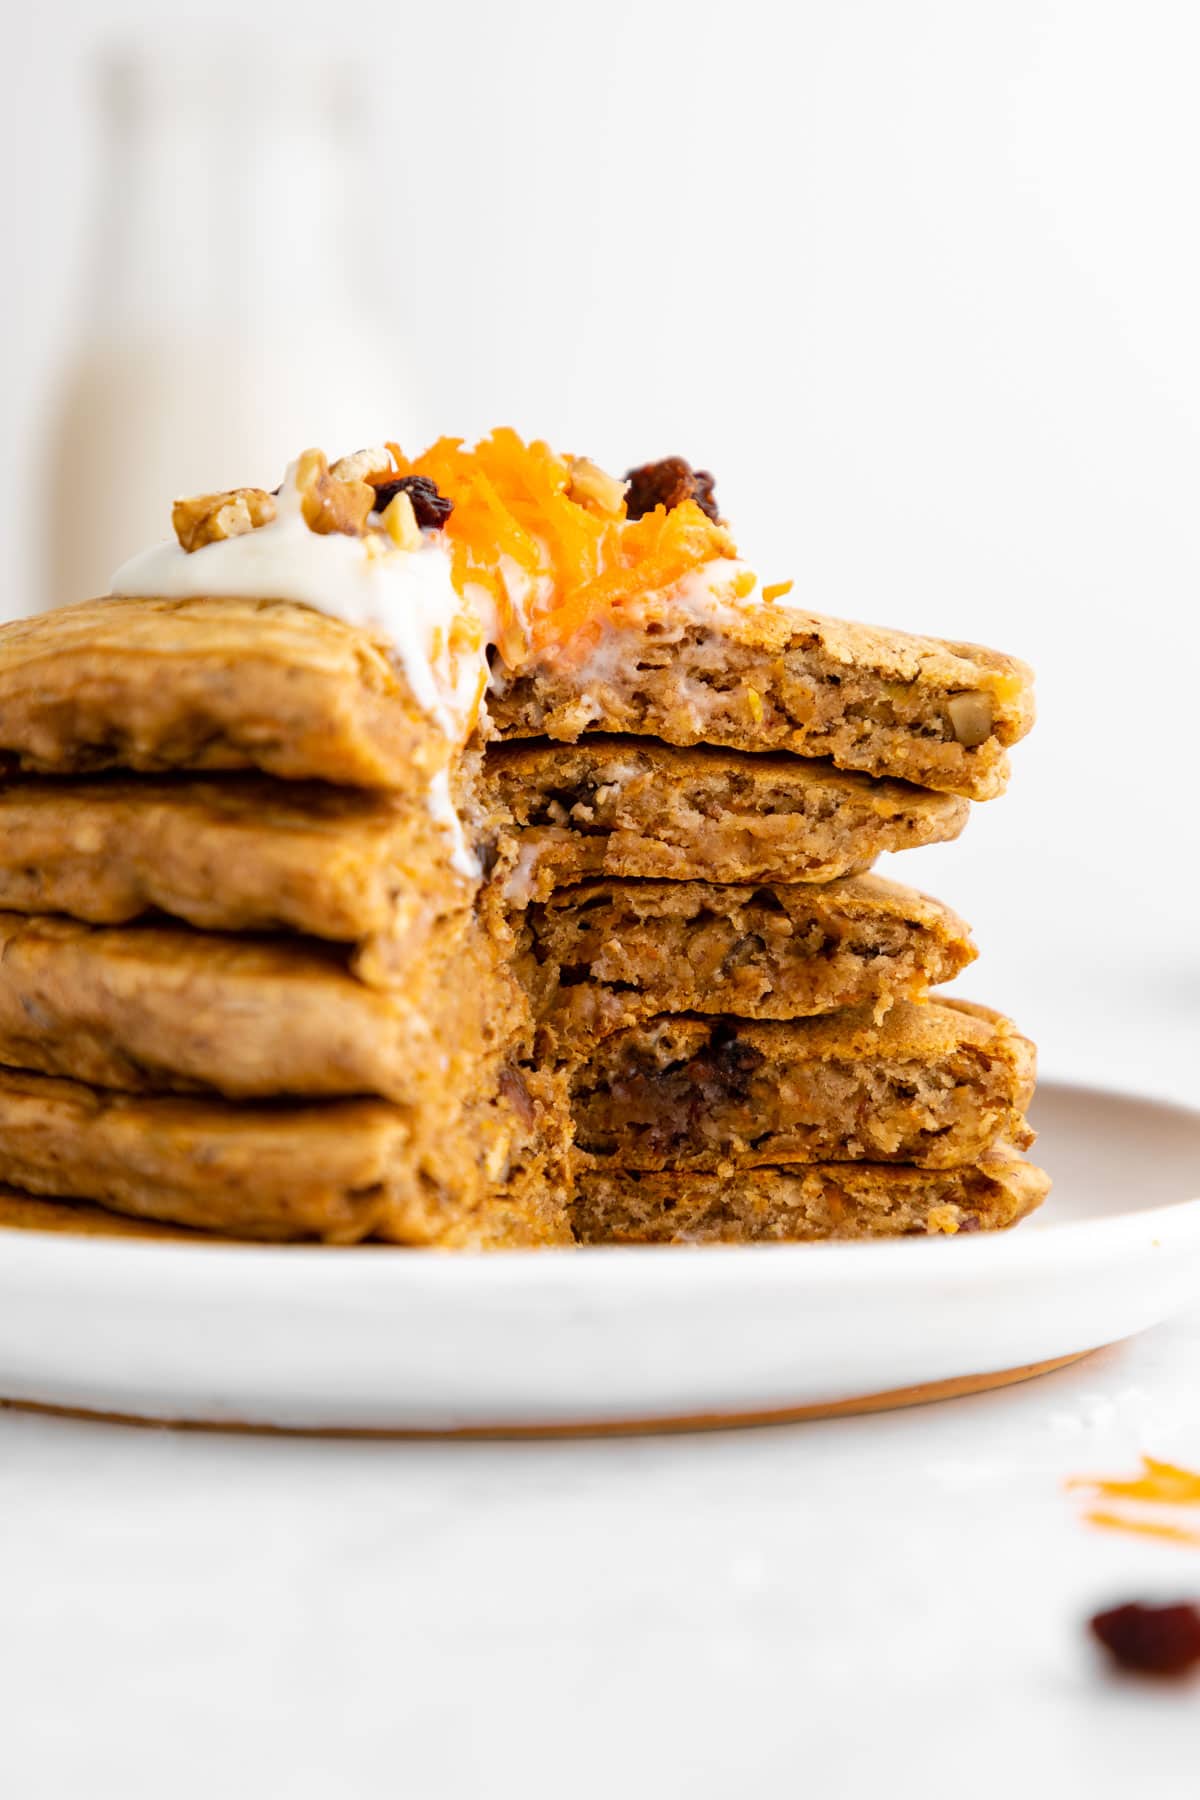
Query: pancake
(79, 1218)
(932, 1085)
(627, 807)
(774, 677)
(242, 853)
(336, 1171)
(607, 954)
(825, 1200)
(209, 684)
(159, 1007)
(518, 1218)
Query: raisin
(430, 508)
(1155, 1640)
(669, 483)
(730, 1063)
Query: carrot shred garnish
(547, 562)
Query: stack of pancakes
(253, 983)
(242, 985)
(743, 1012)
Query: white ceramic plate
(393, 1341)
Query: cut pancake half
(933, 1085)
(773, 677)
(825, 1200)
(607, 954)
(623, 807)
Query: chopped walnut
(970, 717)
(206, 518)
(400, 522)
(363, 464)
(328, 504)
(669, 483)
(594, 488)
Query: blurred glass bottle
(224, 319)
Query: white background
(920, 281)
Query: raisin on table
(1154, 1640)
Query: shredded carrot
(516, 532)
(1112, 1521)
(1163, 1483)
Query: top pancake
(210, 684)
(773, 677)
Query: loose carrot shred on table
(1174, 1534)
(1162, 1483)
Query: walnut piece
(594, 488)
(206, 518)
(328, 504)
(971, 717)
(400, 522)
(363, 464)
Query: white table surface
(885, 1604)
(892, 1604)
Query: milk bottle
(225, 324)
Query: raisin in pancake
(932, 1085)
(624, 807)
(607, 954)
(210, 684)
(823, 1200)
(772, 677)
